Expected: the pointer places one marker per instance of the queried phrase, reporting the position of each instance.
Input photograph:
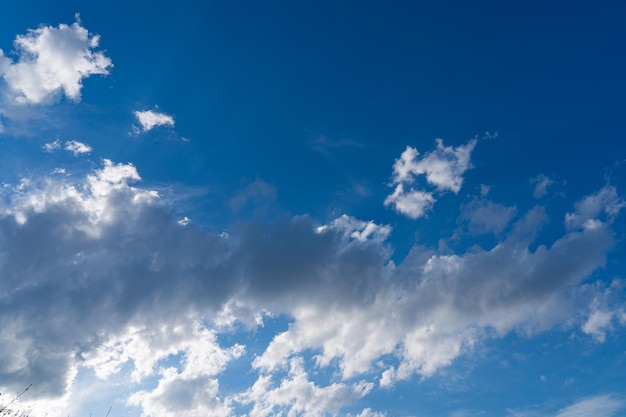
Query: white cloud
(443, 167)
(597, 324)
(605, 202)
(112, 260)
(598, 406)
(150, 119)
(192, 391)
(357, 229)
(439, 306)
(51, 61)
(52, 146)
(605, 310)
(77, 148)
(297, 395)
(412, 203)
(368, 412)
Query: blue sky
(313, 209)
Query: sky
(279, 208)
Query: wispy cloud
(484, 216)
(599, 406)
(74, 146)
(542, 183)
(52, 146)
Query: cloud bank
(102, 274)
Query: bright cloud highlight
(443, 167)
(150, 119)
(52, 61)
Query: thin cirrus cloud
(52, 61)
(598, 406)
(541, 182)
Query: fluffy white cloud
(51, 61)
(443, 167)
(150, 119)
(76, 147)
(412, 203)
(192, 391)
(296, 395)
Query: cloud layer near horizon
(91, 268)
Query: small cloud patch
(150, 119)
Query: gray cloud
(82, 263)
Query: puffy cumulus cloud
(190, 391)
(150, 119)
(443, 167)
(101, 273)
(598, 406)
(412, 203)
(296, 395)
(52, 61)
(77, 147)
